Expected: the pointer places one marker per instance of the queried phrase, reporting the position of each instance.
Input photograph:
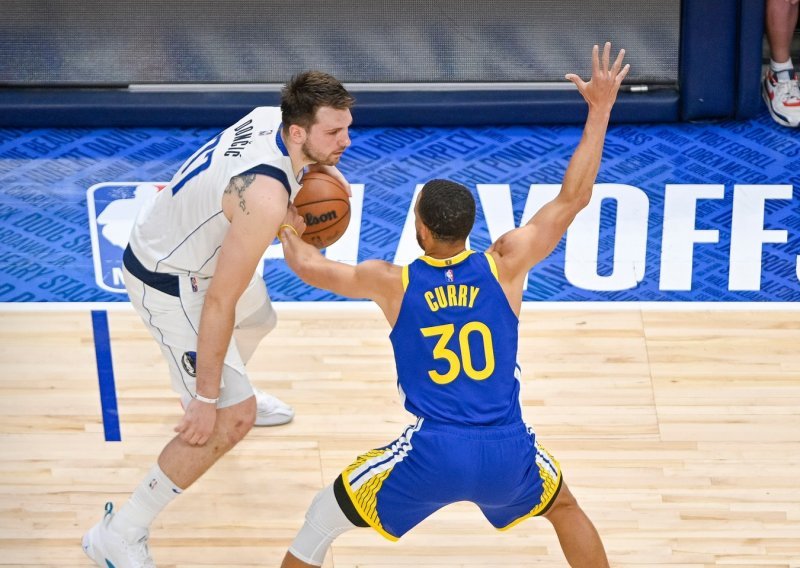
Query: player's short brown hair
(308, 91)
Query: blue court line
(105, 376)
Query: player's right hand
(198, 423)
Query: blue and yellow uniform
(455, 345)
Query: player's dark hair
(447, 208)
(308, 91)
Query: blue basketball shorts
(502, 469)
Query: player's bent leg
(184, 463)
(253, 328)
(248, 333)
(121, 539)
(579, 539)
(331, 513)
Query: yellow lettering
(462, 295)
(441, 297)
(451, 295)
(452, 300)
(473, 293)
(431, 304)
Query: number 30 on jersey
(440, 351)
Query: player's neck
(443, 251)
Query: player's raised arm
(375, 280)
(519, 250)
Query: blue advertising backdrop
(681, 212)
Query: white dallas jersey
(182, 229)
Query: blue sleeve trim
(279, 141)
(273, 172)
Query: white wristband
(202, 398)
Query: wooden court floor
(679, 432)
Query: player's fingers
(577, 80)
(618, 61)
(606, 55)
(595, 61)
(284, 234)
(193, 437)
(621, 75)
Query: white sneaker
(109, 549)
(271, 411)
(782, 98)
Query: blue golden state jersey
(455, 342)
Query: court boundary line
(105, 376)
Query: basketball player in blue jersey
(190, 272)
(454, 316)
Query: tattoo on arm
(238, 185)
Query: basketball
(325, 206)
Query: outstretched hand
(601, 91)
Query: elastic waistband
(167, 283)
(476, 432)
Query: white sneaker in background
(782, 98)
(270, 410)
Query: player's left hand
(332, 171)
(198, 422)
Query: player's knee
(564, 502)
(236, 422)
(328, 517)
(260, 322)
(253, 329)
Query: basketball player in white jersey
(190, 272)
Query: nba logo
(112, 210)
(448, 274)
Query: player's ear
(424, 233)
(297, 133)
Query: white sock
(782, 71)
(154, 493)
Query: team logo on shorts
(112, 210)
(189, 363)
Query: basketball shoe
(108, 548)
(270, 410)
(782, 97)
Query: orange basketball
(325, 206)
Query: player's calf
(579, 539)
